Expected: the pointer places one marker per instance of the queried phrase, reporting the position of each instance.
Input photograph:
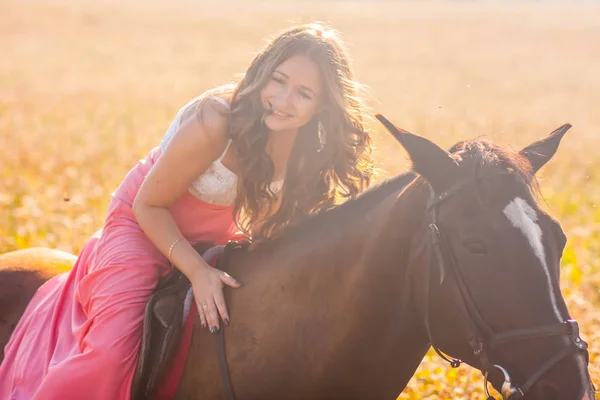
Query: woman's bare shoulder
(211, 117)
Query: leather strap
(221, 353)
(223, 368)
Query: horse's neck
(384, 343)
(337, 297)
(321, 314)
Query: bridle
(482, 338)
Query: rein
(221, 354)
(482, 338)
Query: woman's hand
(207, 285)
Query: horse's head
(485, 261)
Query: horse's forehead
(503, 187)
(524, 217)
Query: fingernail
(203, 325)
(238, 283)
(213, 329)
(226, 320)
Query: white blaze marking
(523, 217)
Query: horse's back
(22, 272)
(41, 260)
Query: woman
(287, 140)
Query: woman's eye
(306, 96)
(278, 80)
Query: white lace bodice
(218, 184)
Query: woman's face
(292, 95)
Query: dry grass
(89, 88)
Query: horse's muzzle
(586, 397)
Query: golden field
(88, 88)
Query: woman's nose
(282, 99)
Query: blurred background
(87, 88)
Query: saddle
(163, 326)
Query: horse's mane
(364, 202)
(484, 157)
(481, 156)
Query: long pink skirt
(80, 335)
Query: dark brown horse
(347, 303)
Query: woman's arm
(191, 151)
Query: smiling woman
(292, 96)
(294, 117)
(298, 102)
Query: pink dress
(79, 337)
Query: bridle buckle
(508, 390)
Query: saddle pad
(168, 386)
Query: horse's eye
(475, 246)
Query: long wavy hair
(317, 175)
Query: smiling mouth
(273, 111)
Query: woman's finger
(212, 317)
(220, 302)
(201, 310)
(229, 280)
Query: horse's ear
(429, 160)
(540, 152)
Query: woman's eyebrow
(303, 86)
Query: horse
(346, 303)
(22, 272)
